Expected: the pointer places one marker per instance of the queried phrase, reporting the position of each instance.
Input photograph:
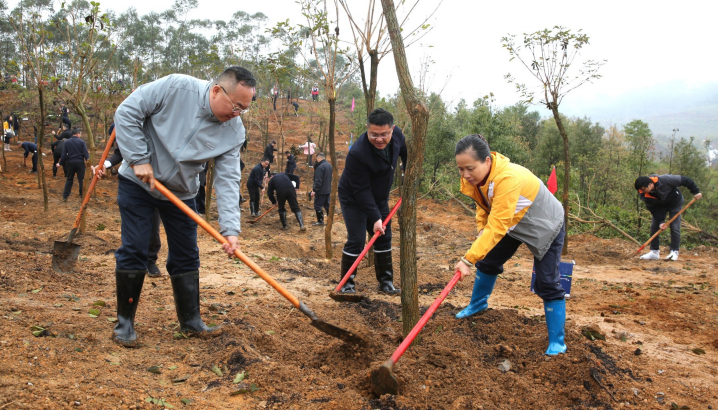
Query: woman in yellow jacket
(512, 207)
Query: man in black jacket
(66, 133)
(74, 155)
(322, 187)
(661, 195)
(291, 163)
(286, 186)
(29, 147)
(153, 250)
(364, 196)
(269, 153)
(56, 148)
(255, 182)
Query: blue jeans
(358, 226)
(547, 284)
(137, 208)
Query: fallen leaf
(99, 303)
(181, 379)
(239, 377)
(217, 371)
(154, 369)
(698, 351)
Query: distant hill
(693, 110)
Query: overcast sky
(645, 42)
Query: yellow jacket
(518, 205)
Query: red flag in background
(552, 184)
(352, 103)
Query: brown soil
(654, 315)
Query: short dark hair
(474, 144)
(273, 142)
(76, 130)
(236, 74)
(286, 152)
(642, 182)
(264, 159)
(380, 117)
(321, 155)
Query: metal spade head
(346, 297)
(383, 381)
(331, 330)
(64, 256)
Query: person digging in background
(286, 187)
(662, 196)
(155, 243)
(322, 187)
(56, 147)
(255, 183)
(269, 153)
(512, 207)
(74, 155)
(152, 127)
(364, 196)
(29, 147)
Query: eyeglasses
(383, 136)
(235, 108)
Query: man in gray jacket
(167, 130)
(322, 187)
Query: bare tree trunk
(370, 97)
(567, 172)
(40, 140)
(335, 180)
(209, 185)
(415, 148)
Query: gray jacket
(168, 123)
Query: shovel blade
(337, 332)
(346, 297)
(383, 381)
(64, 256)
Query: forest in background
(93, 57)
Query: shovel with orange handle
(664, 226)
(325, 327)
(64, 254)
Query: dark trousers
(56, 160)
(199, 199)
(287, 195)
(321, 201)
(72, 169)
(253, 193)
(358, 226)
(659, 216)
(309, 160)
(34, 161)
(546, 285)
(137, 208)
(155, 242)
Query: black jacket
(367, 176)
(280, 182)
(322, 178)
(665, 194)
(56, 147)
(269, 153)
(29, 147)
(116, 157)
(64, 135)
(291, 164)
(256, 177)
(74, 150)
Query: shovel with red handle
(348, 297)
(383, 380)
(64, 254)
(325, 327)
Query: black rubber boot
(253, 208)
(385, 273)
(283, 219)
(185, 287)
(320, 219)
(347, 262)
(298, 214)
(129, 287)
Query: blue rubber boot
(483, 286)
(555, 322)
